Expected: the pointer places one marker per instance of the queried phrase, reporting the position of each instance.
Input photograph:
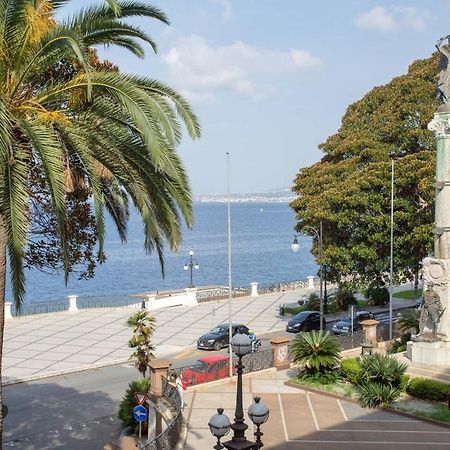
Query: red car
(208, 368)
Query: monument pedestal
(431, 353)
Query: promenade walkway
(55, 343)
(300, 420)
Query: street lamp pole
(190, 266)
(391, 269)
(296, 247)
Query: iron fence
(168, 438)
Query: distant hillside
(280, 195)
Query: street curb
(352, 400)
(58, 373)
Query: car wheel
(217, 346)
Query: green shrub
(129, 402)
(428, 389)
(294, 310)
(318, 353)
(351, 370)
(344, 298)
(381, 369)
(372, 395)
(313, 303)
(399, 346)
(377, 295)
(404, 382)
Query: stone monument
(432, 344)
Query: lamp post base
(240, 445)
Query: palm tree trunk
(2, 314)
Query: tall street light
(296, 247)
(393, 156)
(190, 265)
(220, 425)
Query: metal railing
(168, 438)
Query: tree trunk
(2, 315)
(416, 280)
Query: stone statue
(443, 76)
(432, 309)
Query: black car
(217, 338)
(305, 321)
(345, 324)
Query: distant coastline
(278, 196)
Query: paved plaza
(51, 344)
(300, 420)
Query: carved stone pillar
(280, 352)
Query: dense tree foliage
(349, 189)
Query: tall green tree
(117, 133)
(349, 189)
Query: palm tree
(143, 328)
(318, 352)
(409, 321)
(117, 134)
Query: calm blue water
(261, 251)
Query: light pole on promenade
(190, 265)
(392, 156)
(220, 425)
(296, 247)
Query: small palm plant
(409, 321)
(143, 328)
(129, 402)
(318, 353)
(380, 379)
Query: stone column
(159, 368)
(370, 331)
(441, 127)
(280, 352)
(73, 303)
(150, 301)
(8, 314)
(254, 292)
(191, 297)
(310, 282)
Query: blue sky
(271, 79)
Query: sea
(261, 234)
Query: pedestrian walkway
(55, 343)
(306, 421)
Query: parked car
(305, 321)
(208, 368)
(419, 302)
(217, 338)
(344, 326)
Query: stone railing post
(280, 352)
(150, 301)
(370, 331)
(8, 313)
(159, 368)
(310, 282)
(73, 307)
(254, 292)
(191, 296)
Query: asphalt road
(79, 411)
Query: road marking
(190, 352)
(283, 419)
(388, 431)
(313, 414)
(342, 410)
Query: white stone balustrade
(8, 314)
(73, 307)
(310, 282)
(254, 292)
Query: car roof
(233, 325)
(213, 358)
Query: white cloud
(202, 71)
(227, 13)
(393, 18)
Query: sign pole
(140, 431)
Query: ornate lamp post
(296, 247)
(191, 264)
(258, 412)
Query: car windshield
(219, 330)
(301, 316)
(200, 366)
(347, 319)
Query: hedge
(428, 389)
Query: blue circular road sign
(139, 413)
